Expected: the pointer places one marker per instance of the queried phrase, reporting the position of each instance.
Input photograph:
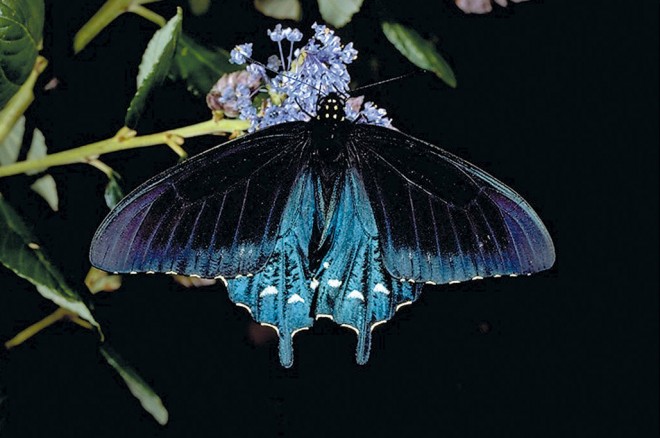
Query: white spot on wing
(356, 294)
(265, 324)
(405, 303)
(513, 275)
(334, 283)
(380, 288)
(314, 284)
(269, 290)
(295, 298)
(245, 307)
(298, 331)
(221, 278)
(352, 328)
(171, 273)
(377, 323)
(323, 315)
(454, 282)
(326, 265)
(477, 277)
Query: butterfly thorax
(329, 134)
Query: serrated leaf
(113, 191)
(198, 66)
(155, 65)
(21, 25)
(199, 7)
(38, 149)
(280, 9)
(339, 12)
(138, 387)
(20, 252)
(47, 189)
(10, 147)
(419, 51)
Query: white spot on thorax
(268, 290)
(356, 294)
(380, 288)
(295, 298)
(334, 283)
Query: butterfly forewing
(218, 213)
(441, 219)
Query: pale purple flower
(481, 6)
(316, 69)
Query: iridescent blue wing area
(217, 214)
(354, 288)
(280, 295)
(440, 219)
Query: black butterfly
(325, 218)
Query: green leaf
(155, 65)
(199, 7)
(21, 24)
(138, 387)
(339, 12)
(280, 9)
(198, 66)
(37, 150)
(10, 147)
(419, 51)
(113, 192)
(47, 189)
(20, 252)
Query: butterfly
(324, 218)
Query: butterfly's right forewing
(441, 219)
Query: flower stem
(123, 140)
(148, 14)
(20, 101)
(38, 326)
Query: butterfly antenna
(412, 73)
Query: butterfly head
(331, 108)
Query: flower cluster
(301, 76)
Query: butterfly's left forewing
(218, 213)
(441, 219)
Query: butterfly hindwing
(218, 213)
(353, 286)
(441, 219)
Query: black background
(559, 99)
